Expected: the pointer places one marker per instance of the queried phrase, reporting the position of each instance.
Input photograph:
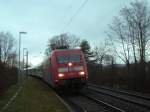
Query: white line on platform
(69, 108)
(11, 100)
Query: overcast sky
(42, 19)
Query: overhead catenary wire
(74, 15)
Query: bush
(8, 77)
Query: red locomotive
(65, 67)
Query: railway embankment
(36, 96)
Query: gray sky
(42, 19)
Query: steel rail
(76, 106)
(122, 92)
(107, 105)
(145, 105)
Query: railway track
(86, 103)
(136, 99)
(76, 107)
(122, 92)
(105, 104)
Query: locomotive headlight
(60, 75)
(81, 73)
(70, 64)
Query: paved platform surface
(36, 96)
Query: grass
(5, 97)
(36, 97)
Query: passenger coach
(65, 68)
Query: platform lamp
(20, 35)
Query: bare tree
(137, 18)
(63, 41)
(12, 59)
(120, 41)
(100, 52)
(109, 59)
(6, 46)
(132, 29)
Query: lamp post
(24, 49)
(20, 33)
(27, 64)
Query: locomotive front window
(62, 59)
(69, 58)
(74, 58)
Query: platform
(36, 96)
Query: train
(65, 67)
